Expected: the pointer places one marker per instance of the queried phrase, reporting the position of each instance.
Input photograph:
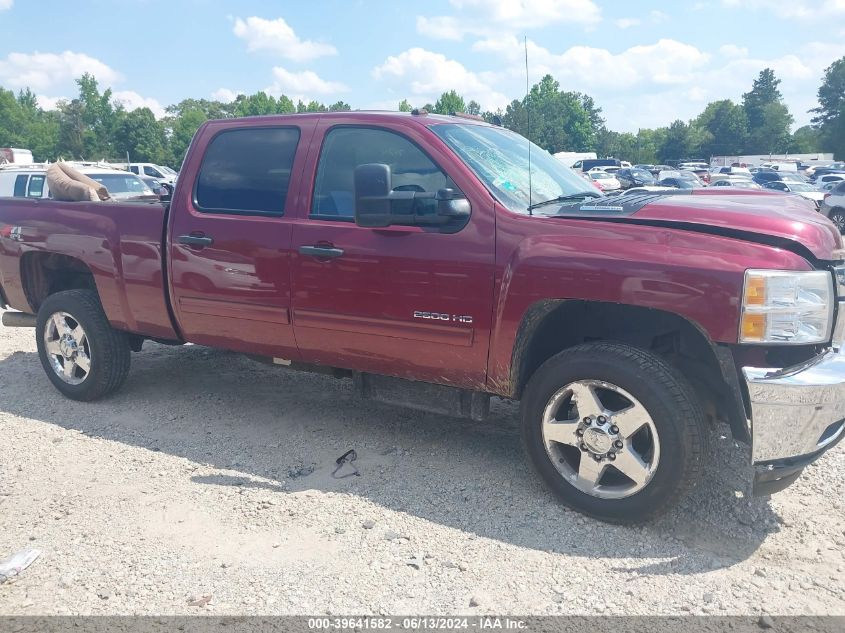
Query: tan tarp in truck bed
(69, 185)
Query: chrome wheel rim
(839, 220)
(67, 347)
(601, 439)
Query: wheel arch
(43, 274)
(551, 326)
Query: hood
(760, 216)
(754, 212)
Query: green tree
(558, 120)
(284, 105)
(675, 144)
(829, 116)
(450, 102)
(768, 117)
(340, 106)
(404, 106)
(72, 130)
(727, 126)
(11, 120)
(805, 140)
(474, 108)
(257, 104)
(141, 136)
(182, 132)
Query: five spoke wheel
(601, 439)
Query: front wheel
(837, 216)
(613, 430)
(84, 357)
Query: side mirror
(372, 184)
(378, 205)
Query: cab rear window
(247, 171)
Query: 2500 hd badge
(441, 316)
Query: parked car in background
(632, 177)
(31, 182)
(703, 175)
(159, 172)
(588, 164)
(833, 205)
(646, 166)
(769, 175)
(682, 174)
(831, 177)
(606, 182)
(803, 189)
(162, 189)
(821, 172)
(734, 181)
(675, 182)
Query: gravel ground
(205, 487)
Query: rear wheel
(84, 357)
(613, 430)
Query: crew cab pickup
(437, 262)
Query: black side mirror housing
(378, 205)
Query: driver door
(407, 301)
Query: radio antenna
(528, 117)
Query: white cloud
(664, 62)
(276, 36)
(49, 103)
(488, 17)
(41, 71)
(131, 100)
(226, 95)
(626, 23)
(654, 17)
(651, 84)
(6, 4)
(732, 50)
(425, 75)
(303, 85)
(792, 9)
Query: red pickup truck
(437, 262)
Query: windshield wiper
(561, 199)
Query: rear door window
(152, 171)
(345, 148)
(20, 186)
(247, 171)
(36, 187)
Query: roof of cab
(418, 117)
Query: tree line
(93, 126)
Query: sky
(645, 63)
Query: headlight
(786, 307)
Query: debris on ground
(16, 563)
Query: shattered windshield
(499, 158)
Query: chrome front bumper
(798, 411)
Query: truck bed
(120, 243)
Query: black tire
(109, 348)
(668, 399)
(837, 216)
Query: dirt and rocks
(205, 486)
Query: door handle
(321, 252)
(195, 240)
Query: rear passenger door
(406, 301)
(230, 239)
